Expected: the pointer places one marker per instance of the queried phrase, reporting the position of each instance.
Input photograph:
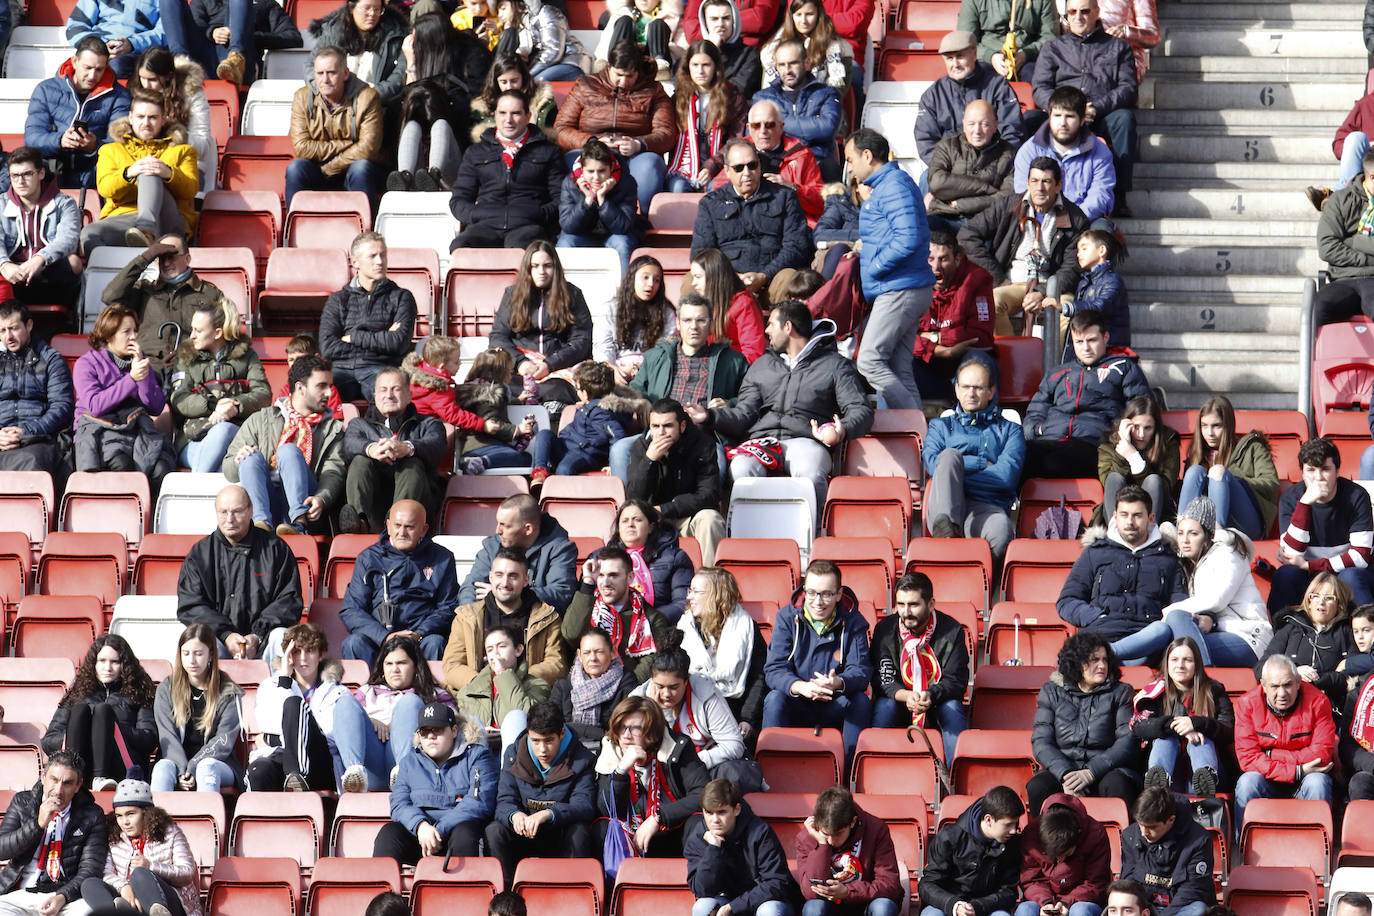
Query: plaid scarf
(509, 148)
(588, 692)
(920, 667)
(299, 429)
(640, 641)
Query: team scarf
(509, 148)
(50, 855)
(139, 843)
(1362, 723)
(657, 787)
(920, 667)
(685, 722)
(615, 170)
(299, 429)
(643, 578)
(687, 159)
(641, 637)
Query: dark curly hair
(423, 685)
(1078, 649)
(133, 682)
(640, 324)
(155, 824)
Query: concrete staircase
(1236, 117)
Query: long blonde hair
(721, 598)
(215, 681)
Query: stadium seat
(356, 821)
(585, 504)
(235, 272)
(268, 824)
(307, 562)
(299, 280)
(149, 624)
(338, 568)
(586, 546)
(247, 218)
(928, 15)
(256, 164)
(418, 219)
(902, 431)
(285, 63)
(671, 218)
(304, 12)
(267, 110)
(326, 219)
(476, 280)
(677, 267)
(763, 613)
(344, 887)
(1341, 366)
(31, 687)
(1004, 697)
(416, 269)
(466, 887)
(102, 265)
(960, 568)
(464, 548)
(597, 272)
(650, 887)
(108, 501)
(1035, 570)
(910, 65)
(252, 886)
(1278, 831)
(908, 820)
(72, 347)
(1350, 432)
(886, 456)
(26, 501)
(891, 108)
(57, 626)
(565, 886)
(869, 506)
(83, 563)
(1019, 361)
(1287, 431)
(20, 766)
(887, 762)
(692, 547)
(223, 97)
(1083, 494)
(984, 758)
(1033, 633)
(1357, 834)
(1273, 891)
(186, 503)
(800, 759)
(865, 563)
(16, 558)
(766, 569)
(50, 12)
(470, 502)
(1111, 813)
(34, 53)
(764, 506)
(200, 815)
(971, 619)
(784, 812)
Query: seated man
(508, 206)
(990, 23)
(758, 224)
(974, 863)
(1121, 582)
(1327, 524)
(787, 161)
(69, 115)
(36, 396)
(846, 862)
(810, 108)
(1027, 243)
(393, 454)
(1067, 138)
(241, 581)
(289, 456)
(959, 320)
(55, 839)
(1079, 402)
(127, 29)
(503, 691)
(336, 131)
(1128, 898)
(443, 797)
(818, 666)
(403, 585)
(801, 392)
(636, 628)
(1344, 243)
(368, 325)
(510, 602)
(674, 468)
(550, 554)
(1102, 66)
(1165, 850)
(547, 797)
(39, 230)
(945, 105)
(920, 664)
(718, 21)
(969, 169)
(734, 859)
(1066, 861)
(689, 367)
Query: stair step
(1215, 231)
(1181, 146)
(1204, 38)
(1225, 316)
(1259, 174)
(1217, 257)
(1183, 287)
(1182, 371)
(1217, 204)
(1226, 119)
(1332, 95)
(1299, 68)
(1263, 14)
(1216, 343)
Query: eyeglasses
(26, 175)
(743, 166)
(428, 732)
(820, 596)
(763, 125)
(632, 729)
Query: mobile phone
(80, 124)
(816, 881)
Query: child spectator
(585, 443)
(846, 861)
(974, 863)
(507, 903)
(1101, 288)
(479, 17)
(837, 231)
(1066, 861)
(734, 858)
(305, 345)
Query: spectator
(1082, 737)
(506, 903)
(735, 317)
(512, 604)
(1285, 738)
(969, 169)
(503, 691)
(1184, 706)
(974, 862)
(724, 644)
(1236, 473)
(973, 458)
(639, 754)
(655, 25)
(181, 83)
(111, 692)
(690, 368)
(539, 33)
(1355, 742)
(248, 30)
(894, 240)
(1128, 898)
(289, 457)
(662, 570)
(818, 668)
(1223, 602)
(1326, 524)
(1066, 861)
(54, 838)
(597, 207)
(336, 127)
(1102, 66)
(147, 175)
(546, 801)
(117, 397)
(968, 78)
(635, 627)
(442, 804)
(810, 108)
(1078, 402)
(583, 444)
(837, 230)
(846, 862)
(641, 317)
(168, 878)
(393, 454)
(443, 68)
(1350, 145)
(701, 83)
(1341, 243)
(510, 73)
(787, 161)
(1101, 289)
(69, 115)
(126, 29)
(1123, 579)
(673, 469)
(1316, 636)
(958, 321)
(751, 22)
(552, 556)
(1166, 850)
(1023, 241)
(36, 396)
(802, 393)
(596, 683)
(921, 663)
(734, 859)
(369, 35)
(1140, 452)
(303, 345)
(1067, 138)
(198, 717)
(509, 183)
(219, 383)
(718, 21)
(367, 326)
(1351, 903)
(1001, 30)
(39, 230)
(241, 582)
(829, 57)
(1134, 22)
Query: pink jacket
(377, 700)
(1142, 27)
(171, 860)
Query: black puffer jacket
(992, 237)
(252, 587)
(85, 845)
(424, 432)
(1220, 726)
(136, 722)
(763, 234)
(1113, 590)
(965, 865)
(562, 349)
(368, 319)
(486, 193)
(948, 644)
(1297, 637)
(1101, 65)
(1074, 729)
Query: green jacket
(515, 689)
(156, 303)
(1253, 462)
(987, 20)
(655, 376)
(1346, 252)
(201, 381)
(1109, 462)
(264, 430)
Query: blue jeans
(1352, 161)
(185, 37)
(206, 456)
(357, 383)
(936, 911)
(1221, 650)
(1236, 506)
(278, 494)
(558, 73)
(1148, 641)
(359, 646)
(211, 775)
(705, 906)
(500, 456)
(1367, 464)
(1196, 908)
(879, 906)
(306, 175)
(554, 455)
(850, 714)
(1083, 908)
(1118, 129)
(1250, 786)
(1164, 753)
(357, 739)
(888, 713)
(677, 183)
(1290, 582)
(622, 245)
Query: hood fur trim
(189, 75)
(173, 131)
(1167, 535)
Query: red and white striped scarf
(920, 667)
(641, 636)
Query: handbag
(619, 843)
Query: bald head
(980, 124)
(233, 513)
(406, 525)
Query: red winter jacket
(961, 312)
(744, 325)
(1081, 878)
(876, 853)
(1361, 118)
(1273, 745)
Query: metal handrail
(1306, 335)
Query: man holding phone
(69, 115)
(846, 861)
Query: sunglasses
(743, 166)
(763, 125)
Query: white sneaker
(103, 784)
(355, 778)
(394, 772)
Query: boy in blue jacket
(585, 443)
(445, 795)
(1101, 288)
(734, 859)
(597, 206)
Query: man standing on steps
(1345, 241)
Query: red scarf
(685, 723)
(1362, 722)
(641, 637)
(687, 158)
(920, 667)
(50, 855)
(577, 170)
(653, 794)
(510, 147)
(138, 843)
(299, 429)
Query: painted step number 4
(1223, 262)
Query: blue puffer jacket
(614, 217)
(36, 392)
(1114, 590)
(422, 585)
(136, 20)
(1082, 402)
(1089, 174)
(594, 427)
(462, 788)
(993, 447)
(892, 225)
(55, 107)
(567, 787)
(811, 113)
(797, 652)
(1102, 290)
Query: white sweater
(1221, 585)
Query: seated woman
(626, 107)
(1317, 637)
(596, 682)
(1357, 718)
(651, 776)
(1223, 604)
(181, 83)
(369, 32)
(1237, 473)
(1141, 451)
(828, 56)
(662, 570)
(510, 73)
(735, 313)
(106, 715)
(539, 33)
(149, 866)
(1184, 710)
(117, 397)
(220, 383)
(640, 317)
(709, 112)
(197, 712)
(596, 208)
(724, 644)
(1082, 734)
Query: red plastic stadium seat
(891, 448)
(417, 269)
(650, 887)
(72, 347)
(272, 352)
(108, 501)
(307, 562)
(868, 507)
(467, 887)
(984, 758)
(672, 217)
(234, 271)
(910, 65)
(566, 886)
(584, 505)
(338, 569)
(1035, 570)
(243, 218)
(1004, 697)
(1350, 432)
(1283, 830)
(1041, 633)
(255, 164)
(470, 503)
(19, 765)
(960, 568)
(928, 15)
(800, 759)
(223, 97)
(299, 280)
(304, 12)
(887, 763)
(200, 815)
(158, 564)
(677, 267)
(27, 504)
(1273, 891)
(83, 564)
(763, 613)
(1083, 494)
(268, 824)
(57, 626)
(15, 560)
(766, 569)
(865, 564)
(477, 278)
(784, 812)
(242, 886)
(1357, 835)
(49, 12)
(326, 219)
(908, 820)
(1019, 361)
(584, 14)
(30, 689)
(1343, 366)
(344, 887)
(356, 821)
(586, 546)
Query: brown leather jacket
(336, 139)
(595, 109)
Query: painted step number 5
(1223, 262)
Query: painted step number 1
(1275, 39)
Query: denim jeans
(185, 37)
(1236, 506)
(1164, 753)
(705, 906)
(211, 775)
(622, 245)
(206, 456)
(557, 73)
(356, 383)
(677, 183)
(1118, 129)
(1290, 582)
(885, 354)
(362, 175)
(278, 494)
(1160, 492)
(500, 456)
(1082, 908)
(359, 646)
(1220, 650)
(357, 741)
(553, 454)
(1149, 641)
(1367, 464)
(936, 911)
(879, 906)
(851, 714)
(1250, 786)
(888, 713)
(1352, 158)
